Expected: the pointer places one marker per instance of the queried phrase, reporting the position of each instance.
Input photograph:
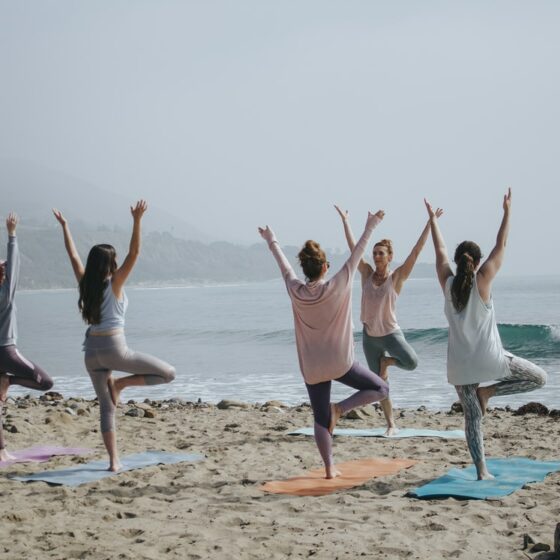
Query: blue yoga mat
(511, 474)
(96, 470)
(379, 432)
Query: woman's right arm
(492, 264)
(358, 250)
(285, 268)
(443, 268)
(122, 273)
(75, 261)
(363, 266)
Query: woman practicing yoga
(14, 368)
(383, 341)
(475, 353)
(324, 338)
(103, 304)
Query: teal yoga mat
(511, 474)
(379, 432)
(96, 470)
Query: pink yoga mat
(42, 453)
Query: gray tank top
(112, 311)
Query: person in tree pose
(383, 341)
(103, 305)
(15, 369)
(475, 353)
(324, 339)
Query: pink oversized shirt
(323, 315)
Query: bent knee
(170, 374)
(47, 384)
(384, 390)
(409, 362)
(541, 378)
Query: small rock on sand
(225, 404)
(532, 408)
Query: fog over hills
(165, 260)
(31, 190)
(173, 252)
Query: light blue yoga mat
(511, 474)
(380, 432)
(96, 470)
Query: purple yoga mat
(42, 453)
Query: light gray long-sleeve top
(8, 323)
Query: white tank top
(378, 307)
(474, 350)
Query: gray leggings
(524, 377)
(103, 354)
(393, 345)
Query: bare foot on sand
(391, 431)
(484, 394)
(115, 466)
(114, 391)
(5, 456)
(384, 364)
(336, 413)
(4, 386)
(332, 472)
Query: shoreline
(164, 285)
(54, 398)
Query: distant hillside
(165, 260)
(182, 255)
(31, 190)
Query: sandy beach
(215, 509)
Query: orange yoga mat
(353, 473)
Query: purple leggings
(371, 388)
(21, 372)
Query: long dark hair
(467, 257)
(312, 258)
(101, 263)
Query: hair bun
(311, 258)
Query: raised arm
(285, 268)
(122, 273)
(75, 261)
(12, 261)
(363, 266)
(492, 264)
(403, 272)
(443, 268)
(359, 248)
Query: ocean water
(237, 341)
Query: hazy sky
(233, 114)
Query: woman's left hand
(342, 213)
(267, 234)
(507, 200)
(138, 210)
(431, 212)
(11, 223)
